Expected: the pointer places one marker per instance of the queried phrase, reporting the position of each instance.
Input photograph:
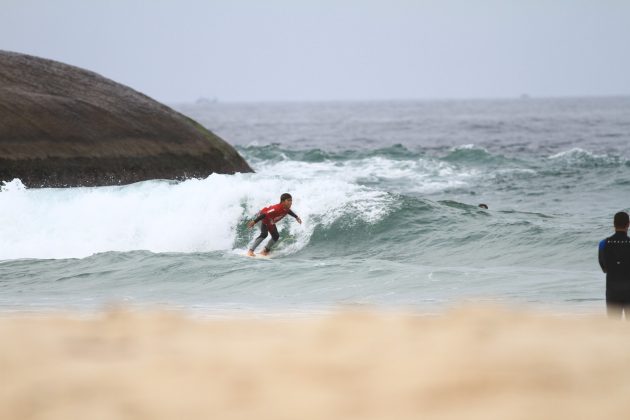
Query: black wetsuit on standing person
(614, 259)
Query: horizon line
(524, 97)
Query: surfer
(614, 259)
(269, 217)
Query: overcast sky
(257, 50)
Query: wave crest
(12, 186)
(473, 155)
(581, 158)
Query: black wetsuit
(614, 258)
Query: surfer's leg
(264, 231)
(274, 238)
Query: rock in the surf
(64, 126)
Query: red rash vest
(273, 214)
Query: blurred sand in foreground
(473, 363)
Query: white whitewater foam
(577, 156)
(469, 146)
(161, 216)
(422, 175)
(15, 185)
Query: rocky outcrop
(64, 126)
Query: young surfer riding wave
(270, 216)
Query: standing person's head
(286, 200)
(621, 221)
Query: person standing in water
(270, 216)
(614, 259)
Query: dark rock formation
(64, 126)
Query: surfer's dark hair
(285, 196)
(621, 219)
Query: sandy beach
(472, 363)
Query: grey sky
(239, 50)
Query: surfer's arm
(602, 260)
(251, 223)
(295, 216)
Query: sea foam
(197, 215)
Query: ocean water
(388, 193)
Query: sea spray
(164, 216)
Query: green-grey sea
(388, 193)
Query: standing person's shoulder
(602, 244)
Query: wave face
(388, 193)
